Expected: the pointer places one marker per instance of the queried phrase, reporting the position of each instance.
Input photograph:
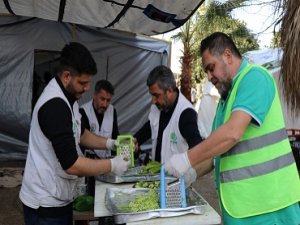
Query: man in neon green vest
(256, 175)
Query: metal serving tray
(132, 175)
(115, 198)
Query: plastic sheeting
(207, 108)
(125, 59)
(148, 17)
(271, 59)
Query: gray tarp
(123, 58)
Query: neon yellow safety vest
(259, 174)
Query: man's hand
(190, 177)
(111, 144)
(119, 165)
(178, 165)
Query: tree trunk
(186, 74)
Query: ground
(11, 207)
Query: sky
(257, 18)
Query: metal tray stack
(132, 175)
(115, 198)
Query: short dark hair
(105, 85)
(78, 59)
(217, 42)
(163, 76)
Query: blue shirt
(254, 96)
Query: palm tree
(290, 68)
(217, 17)
(186, 36)
(214, 16)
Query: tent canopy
(33, 32)
(142, 17)
(30, 49)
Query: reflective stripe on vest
(263, 157)
(258, 169)
(258, 142)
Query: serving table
(210, 217)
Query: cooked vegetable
(147, 184)
(143, 202)
(152, 167)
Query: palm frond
(290, 67)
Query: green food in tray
(142, 202)
(147, 184)
(151, 167)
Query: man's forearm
(92, 141)
(89, 167)
(204, 167)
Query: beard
(164, 106)
(225, 88)
(101, 110)
(160, 107)
(225, 83)
(70, 88)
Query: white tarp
(125, 59)
(148, 17)
(207, 108)
(271, 59)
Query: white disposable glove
(111, 144)
(178, 165)
(118, 165)
(190, 177)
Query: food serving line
(115, 196)
(207, 216)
